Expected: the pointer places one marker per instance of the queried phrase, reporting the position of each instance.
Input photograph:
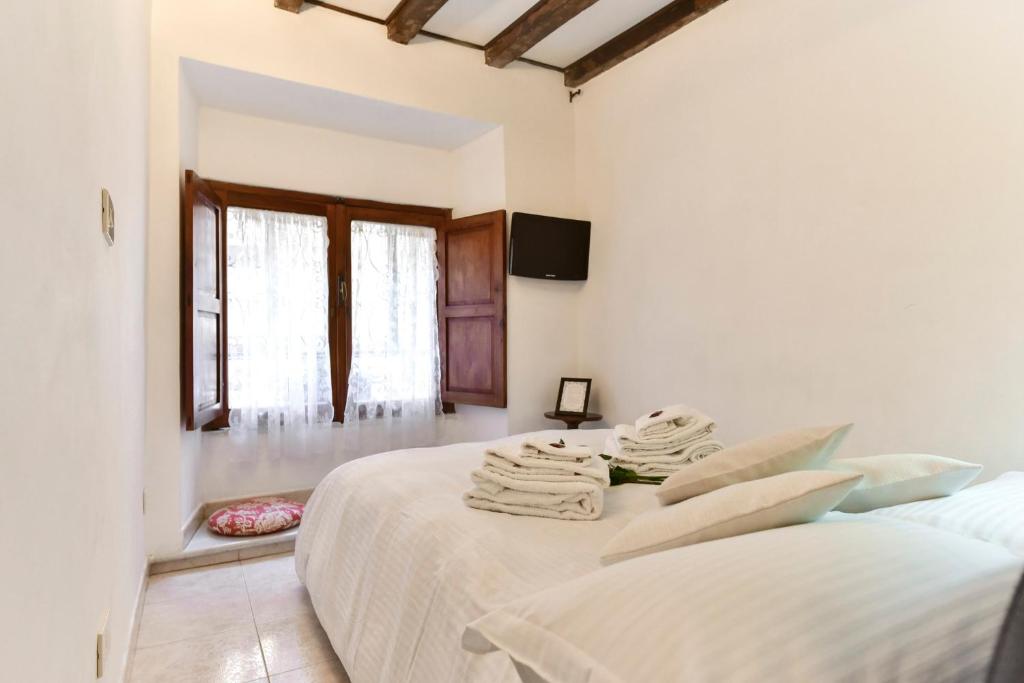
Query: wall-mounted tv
(549, 248)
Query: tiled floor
(233, 623)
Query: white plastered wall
(812, 212)
(74, 121)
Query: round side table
(573, 421)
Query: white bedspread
(849, 599)
(397, 566)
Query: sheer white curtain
(279, 369)
(396, 368)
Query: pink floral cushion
(255, 517)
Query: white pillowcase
(902, 478)
(799, 449)
(781, 500)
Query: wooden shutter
(204, 304)
(471, 309)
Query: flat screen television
(549, 248)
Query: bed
(397, 568)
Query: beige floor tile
(294, 643)
(229, 657)
(166, 622)
(269, 569)
(222, 579)
(325, 672)
(274, 600)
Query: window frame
(339, 212)
(363, 210)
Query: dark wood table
(573, 421)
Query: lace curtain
(279, 370)
(396, 368)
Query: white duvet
(848, 599)
(396, 565)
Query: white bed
(397, 566)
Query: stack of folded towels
(662, 442)
(541, 478)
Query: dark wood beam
(536, 24)
(664, 22)
(409, 17)
(290, 5)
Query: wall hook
(573, 94)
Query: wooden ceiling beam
(409, 17)
(290, 5)
(536, 24)
(662, 23)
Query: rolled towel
(557, 450)
(514, 464)
(661, 423)
(582, 499)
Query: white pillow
(799, 449)
(991, 512)
(781, 500)
(902, 478)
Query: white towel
(515, 465)
(661, 464)
(559, 450)
(681, 438)
(663, 422)
(582, 499)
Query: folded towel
(661, 464)
(559, 450)
(514, 464)
(581, 499)
(680, 438)
(661, 422)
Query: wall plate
(107, 216)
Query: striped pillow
(799, 449)
(769, 503)
(902, 478)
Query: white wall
(258, 151)
(74, 120)
(811, 212)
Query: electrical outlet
(102, 644)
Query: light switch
(107, 216)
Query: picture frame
(573, 396)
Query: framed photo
(573, 396)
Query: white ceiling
(478, 21)
(272, 98)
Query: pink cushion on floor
(255, 517)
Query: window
(300, 308)
(279, 365)
(396, 367)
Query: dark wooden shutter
(204, 304)
(471, 310)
